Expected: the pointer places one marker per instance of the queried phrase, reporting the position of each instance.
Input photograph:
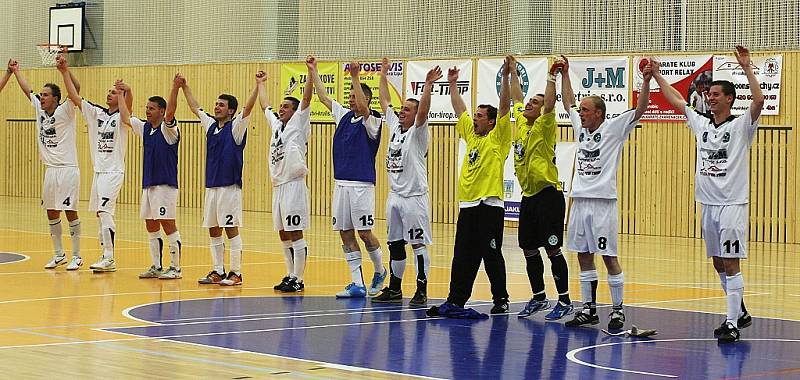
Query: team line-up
(721, 183)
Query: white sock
(354, 262)
(156, 245)
(288, 257)
(75, 234)
(218, 254)
(236, 254)
(735, 294)
(617, 283)
(175, 250)
(55, 236)
(723, 280)
(107, 231)
(300, 254)
(586, 278)
(422, 253)
(377, 259)
(398, 267)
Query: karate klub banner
(767, 71)
(441, 108)
(691, 75)
(294, 77)
(606, 77)
(371, 76)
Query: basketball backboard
(66, 25)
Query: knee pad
(397, 250)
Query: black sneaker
(616, 320)
(583, 318)
(283, 283)
(389, 296)
(293, 286)
(419, 299)
(729, 334)
(500, 308)
(744, 321)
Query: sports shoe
(559, 311)
(729, 333)
(744, 321)
(211, 278)
(389, 296)
(616, 320)
(532, 307)
(283, 283)
(170, 274)
(152, 272)
(75, 263)
(56, 261)
(233, 279)
(500, 308)
(352, 291)
(106, 264)
(582, 318)
(293, 286)
(420, 298)
(377, 282)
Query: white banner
(689, 74)
(767, 70)
(532, 76)
(441, 108)
(606, 77)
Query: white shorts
(223, 207)
(61, 188)
(105, 190)
(159, 202)
(725, 230)
(353, 207)
(593, 226)
(290, 206)
(409, 219)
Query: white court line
(571, 355)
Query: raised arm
(251, 101)
(425, 101)
(670, 93)
(644, 92)
(124, 111)
(743, 56)
(516, 87)
(261, 78)
(550, 89)
(6, 76)
(172, 101)
(455, 97)
(384, 95)
(13, 67)
(72, 92)
(505, 95)
(362, 105)
(187, 93)
(120, 85)
(567, 96)
(322, 93)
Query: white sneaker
(152, 272)
(75, 263)
(106, 264)
(170, 274)
(56, 261)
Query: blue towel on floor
(451, 310)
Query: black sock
(744, 310)
(535, 268)
(593, 304)
(558, 265)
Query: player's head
(367, 94)
(408, 113)
(225, 107)
(50, 96)
(592, 112)
(111, 97)
(721, 95)
(700, 87)
(484, 119)
(533, 108)
(155, 109)
(288, 107)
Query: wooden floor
(51, 321)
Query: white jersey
(598, 155)
(108, 138)
(170, 134)
(56, 134)
(406, 157)
(722, 175)
(288, 146)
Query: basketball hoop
(49, 52)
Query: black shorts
(541, 220)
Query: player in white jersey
(593, 217)
(291, 127)
(722, 182)
(408, 205)
(108, 141)
(61, 190)
(161, 136)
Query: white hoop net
(49, 52)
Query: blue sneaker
(559, 311)
(533, 306)
(352, 291)
(377, 282)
